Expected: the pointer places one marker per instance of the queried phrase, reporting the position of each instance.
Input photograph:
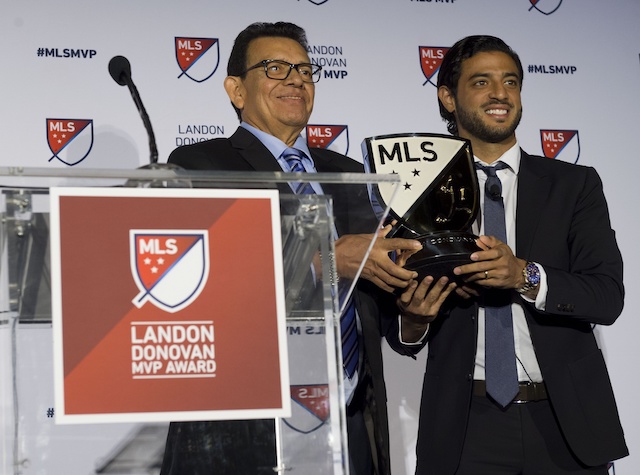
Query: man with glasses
(271, 85)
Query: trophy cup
(438, 198)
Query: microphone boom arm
(120, 71)
(153, 149)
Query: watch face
(533, 274)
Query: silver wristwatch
(531, 275)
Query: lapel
(533, 193)
(260, 159)
(253, 152)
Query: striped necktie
(348, 326)
(293, 157)
(501, 373)
(349, 332)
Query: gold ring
(486, 274)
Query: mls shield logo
(546, 7)
(430, 61)
(438, 184)
(561, 142)
(332, 137)
(198, 58)
(70, 140)
(312, 408)
(170, 267)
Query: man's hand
(467, 291)
(420, 303)
(494, 266)
(379, 267)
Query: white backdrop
(581, 60)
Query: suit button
(565, 307)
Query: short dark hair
(449, 73)
(237, 64)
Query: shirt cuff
(414, 343)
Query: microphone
(495, 192)
(120, 70)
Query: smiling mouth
(497, 112)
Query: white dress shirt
(528, 367)
(276, 147)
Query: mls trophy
(438, 198)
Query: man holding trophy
(271, 85)
(515, 382)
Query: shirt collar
(511, 157)
(275, 145)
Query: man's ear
(235, 90)
(447, 99)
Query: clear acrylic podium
(311, 441)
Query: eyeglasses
(276, 69)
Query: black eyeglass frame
(315, 74)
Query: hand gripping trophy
(438, 199)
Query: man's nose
(498, 90)
(294, 78)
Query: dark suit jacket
(562, 224)
(244, 152)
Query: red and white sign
(168, 304)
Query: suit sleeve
(190, 158)
(215, 154)
(589, 287)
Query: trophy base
(441, 252)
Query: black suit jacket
(352, 211)
(562, 223)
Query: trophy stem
(441, 252)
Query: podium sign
(149, 321)
(146, 290)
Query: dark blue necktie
(293, 157)
(500, 356)
(348, 327)
(349, 339)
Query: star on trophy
(438, 199)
